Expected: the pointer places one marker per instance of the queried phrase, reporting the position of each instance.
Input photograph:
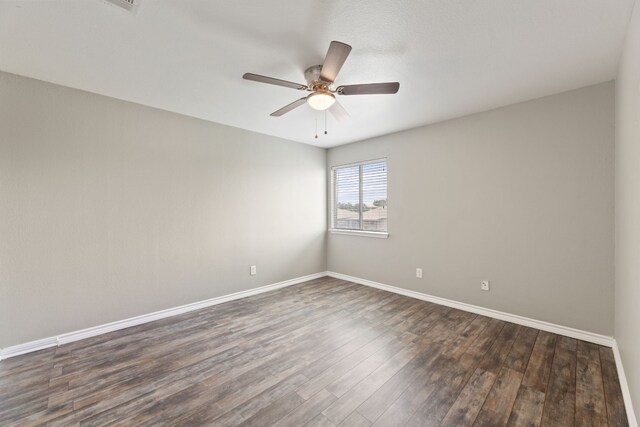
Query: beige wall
(521, 195)
(627, 208)
(110, 209)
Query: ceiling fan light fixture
(320, 80)
(321, 100)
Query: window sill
(376, 234)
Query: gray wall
(521, 195)
(627, 208)
(110, 209)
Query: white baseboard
(624, 386)
(520, 320)
(40, 344)
(513, 318)
(28, 347)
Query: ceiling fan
(320, 80)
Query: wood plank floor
(323, 353)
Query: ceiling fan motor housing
(312, 75)
(321, 97)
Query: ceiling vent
(130, 5)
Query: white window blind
(360, 196)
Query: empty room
(319, 213)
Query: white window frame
(332, 202)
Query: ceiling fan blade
(338, 111)
(289, 107)
(272, 81)
(336, 55)
(369, 89)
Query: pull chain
(325, 122)
(316, 126)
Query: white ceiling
(451, 57)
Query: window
(360, 198)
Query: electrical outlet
(484, 285)
(419, 273)
(252, 270)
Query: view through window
(360, 196)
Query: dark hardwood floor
(322, 353)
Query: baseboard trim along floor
(624, 386)
(520, 320)
(150, 317)
(513, 318)
(40, 344)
